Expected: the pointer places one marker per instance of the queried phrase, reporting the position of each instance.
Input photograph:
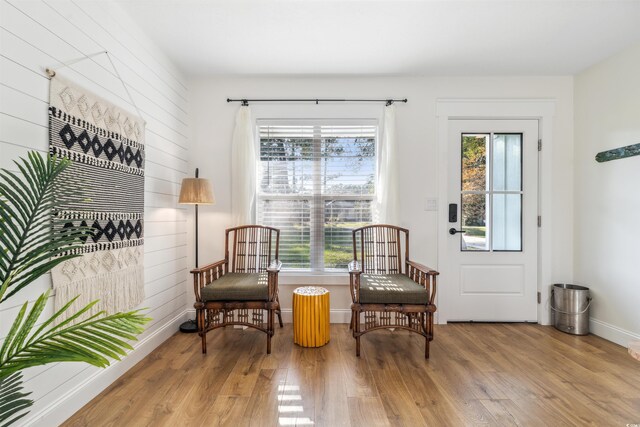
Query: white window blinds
(316, 182)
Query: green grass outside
(335, 255)
(338, 256)
(476, 231)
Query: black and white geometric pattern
(111, 230)
(106, 147)
(99, 146)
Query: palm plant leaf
(94, 340)
(32, 239)
(13, 400)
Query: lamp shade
(196, 191)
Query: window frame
(317, 199)
(489, 192)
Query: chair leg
(351, 322)
(426, 348)
(279, 312)
(427, 320)
(280, 318)
(356, 331)
(200, 317)
(269, 330)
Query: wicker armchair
(240, 288)
(382, 292)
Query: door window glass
(491, 196)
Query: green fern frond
(13, 400)
(32, 239)
(94, 340)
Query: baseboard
(612, 333)
(69, 403)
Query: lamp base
(189, 327)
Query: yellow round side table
(310, 316)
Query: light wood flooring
(478, 374)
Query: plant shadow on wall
(33, 241)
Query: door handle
(453, 231)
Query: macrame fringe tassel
(116, 291)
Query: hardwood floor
(478, 374)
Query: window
(492, 192)
(316, 183)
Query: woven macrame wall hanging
(106, 147)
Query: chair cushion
(391, 289)
(237, 287)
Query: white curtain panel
(243, 169)
(387, 185)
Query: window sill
(308, 278)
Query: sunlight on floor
(290, 408)
(286, 421)
(290, 394)
(287, 397)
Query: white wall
(213, 120)
(34, 35)
(607, 200)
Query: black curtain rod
(245, 101)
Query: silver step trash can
(570, 308)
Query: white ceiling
(312, 37)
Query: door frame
(542, 110)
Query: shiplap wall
(37, 34)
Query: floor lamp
(195, 191)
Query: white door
(493, 191)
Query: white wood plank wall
(37, 34)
